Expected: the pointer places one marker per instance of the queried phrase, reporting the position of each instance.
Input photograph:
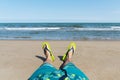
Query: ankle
(48, 60)
(68, 60)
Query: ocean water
(59, 31)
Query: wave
(98, 29)
(112, 28)
(30, 29)
(116, 27)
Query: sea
(59, 31)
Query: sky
(59, 10)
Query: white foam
(98, 29)
(115, 27)
(31, 29)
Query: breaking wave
(30, 29)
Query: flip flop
(46, 46)
(72, 46)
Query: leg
(68, 59)
(45, 68)
(71, 70)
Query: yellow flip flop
(72, 45)
(46, 45)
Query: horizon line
(59, 22)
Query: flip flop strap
(47, 50)
(69, 50)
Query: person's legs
(45, 68)
(70, 69)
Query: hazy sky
(59, 10)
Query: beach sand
(99, 60)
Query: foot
(70, 54)
(47, 54)
(68, 57)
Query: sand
(99, 60)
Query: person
(68, 71)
